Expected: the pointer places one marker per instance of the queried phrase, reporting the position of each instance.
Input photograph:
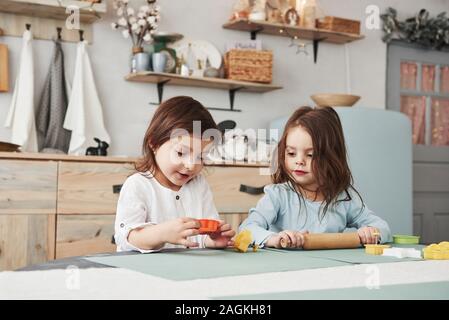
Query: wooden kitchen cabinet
(79, 235)
(226, 182)
(27, 212)
(88, 188)
(27, 187)
(54, 206)
(26, 239)
(58, 206)
(87, 202)
(229, 184)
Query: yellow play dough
(375, 249)
(437, 251)
(243, 240)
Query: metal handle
(116, 188)
(251, 190)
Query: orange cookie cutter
(208, 226)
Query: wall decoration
(241, 9)
(420, 29)
(139, 25)
(291, 17)
(258, 12)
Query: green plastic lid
(405, 239)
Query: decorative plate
(202, 50)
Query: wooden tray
(9, 147)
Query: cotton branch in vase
(138, 25)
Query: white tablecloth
(110, 283)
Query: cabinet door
(418, 86)
(234, 219)
(227, 182)
(88, 188)
(27, 187)
(79, 235)
(26, 240)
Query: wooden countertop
(112, 159)
(63, 157)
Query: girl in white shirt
(159, 205)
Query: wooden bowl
(9, 147)
(334, 99)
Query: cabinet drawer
(87, 188)
(27, 187)
(26, 240)
(78, 235)
(226, 182)
(234, 219)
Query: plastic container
(208, 226)
(405, 239)
(375, 249)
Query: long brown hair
(329, 161)
(176, 113)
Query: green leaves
(420, 29)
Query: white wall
(125, 104)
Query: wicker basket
(249, 65)
(339, 25)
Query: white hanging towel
(84, 115)
(21, 118)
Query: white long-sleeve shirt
(144, 201)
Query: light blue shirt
(281, 209)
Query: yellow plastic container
(437, 251)
(375, 249)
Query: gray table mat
(207, 263)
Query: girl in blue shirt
(313, 187)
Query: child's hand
(286, 239)
(221, 238)
(177, 231)
(368, 235)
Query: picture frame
(4, 69)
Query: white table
(116, 283)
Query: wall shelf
(278, 29)
(161, 79)
(45, 16)
(53, 9)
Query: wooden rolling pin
(313, 241)
(4, 75)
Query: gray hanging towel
(52, 107)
